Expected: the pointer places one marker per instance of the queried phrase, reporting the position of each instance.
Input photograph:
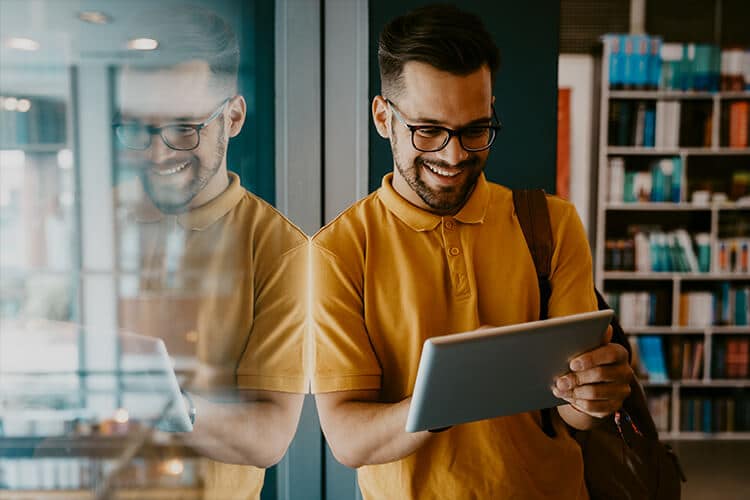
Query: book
(739, 122)
(563, 143)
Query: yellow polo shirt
(388, 275)
(225, 283)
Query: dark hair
(440, 35)
(192, 33)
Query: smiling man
(210, 268)
(438, 249)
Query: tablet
(498, 371)
(150, 391)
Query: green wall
(524, 154)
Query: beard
(442, 199)
(172, 186)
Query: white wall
(577, 72)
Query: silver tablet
(499, 371)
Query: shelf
(697, 384)
(677, 94)
(635, 276)
(730, 330)
(663, 330)
(661, 94)
(704, 436)
(35, 148)
(119, 494)
(713, 384)
(654, 206)
(639, 151)
(88, 446)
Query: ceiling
(64, 40)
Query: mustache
(468, 163)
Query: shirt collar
(199, 218)
(418, 219)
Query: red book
(739, 122)
(562, 188)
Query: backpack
(623, 457)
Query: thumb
(608, 335)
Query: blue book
(676, 179)
(613, 44)
(654, 62)
(740, 307)
(725, 304)
(657, 183)
(652, 309)
(641, 50)
(628, 61)
(707, 415)
(649, 128)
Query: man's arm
(596, 386)
(254, 429)
(361, 431)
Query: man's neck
(216, 185)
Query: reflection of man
(221, 275)
(437, 250)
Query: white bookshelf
(711, 213)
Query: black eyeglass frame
(152, 130)
(451, 132)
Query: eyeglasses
(431, 138)
(177, 136)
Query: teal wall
(527, 33)
(251, 153)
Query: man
(211, 268)
(438, 250)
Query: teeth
(440, 171)
(172, 170)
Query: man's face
(440, 181)
(182, 94)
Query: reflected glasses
(177, 136)
(431, 138)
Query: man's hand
(599, 380)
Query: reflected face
(439, 181)
(182, 94)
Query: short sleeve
(571, 275)
(343, 357)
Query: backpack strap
(533, 216)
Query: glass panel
(98, 307)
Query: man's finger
(605, 355)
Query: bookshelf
(692, 398)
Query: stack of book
(639, 309)
(643, 62)
(732, 255)
(651, 352)
(658, 406)
(726, 307)
(736, 124)
(658, 251)
(661, 183)
(717, 414)
(686, 358)
(731, 358)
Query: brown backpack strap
(533, 216)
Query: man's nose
(453, 152)
(158, 150)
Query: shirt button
(449, 224)
(454, 251)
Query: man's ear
(381, 116)
(237, 111)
